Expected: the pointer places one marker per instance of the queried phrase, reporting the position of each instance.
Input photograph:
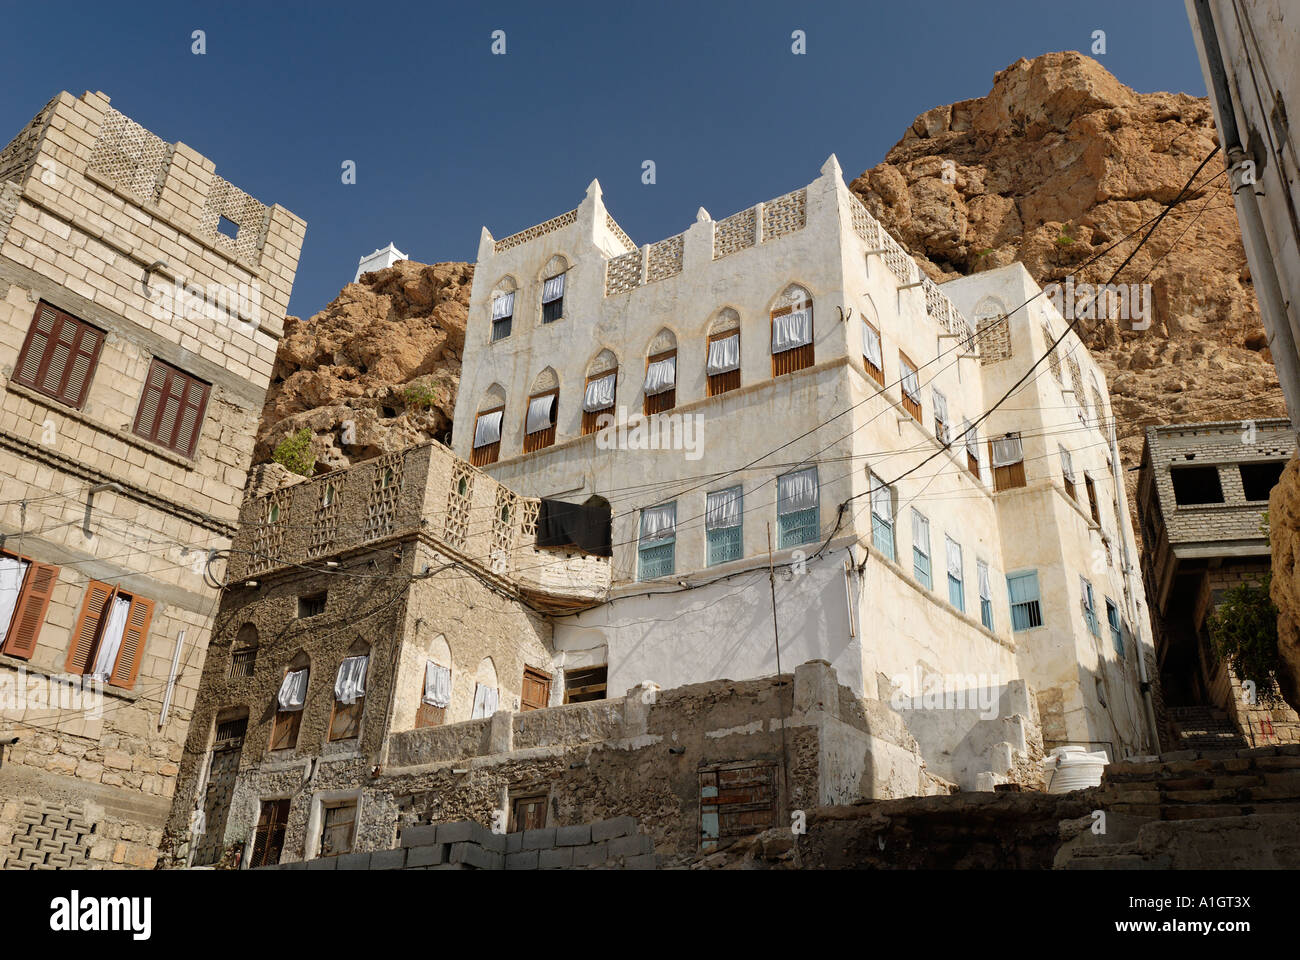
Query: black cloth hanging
(582, 525)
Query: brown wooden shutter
(171, 408)
(29, 612)
(59, 356)
(133, 638)
(86, 631)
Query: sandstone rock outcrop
(376, 370)
(1284, 538)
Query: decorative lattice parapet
(459, 500)
(385, 491)
(665, 259)
(50, 836)
(940, 308)
(131, 157)
(325, 519)
(994, 337)
(269, 526)
(251, 217)
(785, 214)
(504, 526)
(734, 233)
(532, 233)
(612, 225)
(876, 237)
(623, 273)
(529, 510)
(17, 158)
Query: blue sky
(447, 137)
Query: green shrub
(421, 396)
(294, 453)
(1244, 632)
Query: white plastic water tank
(1073, 768)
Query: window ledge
(130, 696)
(119, 433)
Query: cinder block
(427, 856)
(555, 857)
(609, 829)
(388, 859)
(523, 860)
(354, 861)
(646, 861)
(572, 836)
(590, 854)
(458, 832)
(632, 846)
(420, 835)
(296, 865)
(538, 839)
(323, 863)
(514, 842)
(485, 838)
(475, 856)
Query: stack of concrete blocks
(465, 845)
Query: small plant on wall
(1244, 631)
(294, 453)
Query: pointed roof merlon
(593, 190)
(832, 167)
(702, 216)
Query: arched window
(873, 356)
(792, 331)
(486, 693)
(243, 654)
(487, 427)
(553, 289)
(435, 691)
(543, 411)
(660, 387)
(503, 308)
(599, 392)
(722, 365)
(290, 700)
(350, 693)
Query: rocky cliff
(1284, 539)
(1056, 163)
(376, 370)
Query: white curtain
(793, 329)
(796, 491)
(539, 413)
(553, 289)
(724, 355)
(871, 346)
(972, 439)
(986, 589)
(111, 642)
(954, 558)
(940, 407)
(437, 684)
(911, 386)
(722, 509)
(920, 532)
(488, 429)
(293, 691)
(503, 306)
(12, 572)
(882, 500)
(600, 393)
(1067, 466)
(658, 523)
(485, 701)
(351, 681)
(661, 376)
(1007, 450)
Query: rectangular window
(956, 586)
(658, 541)
(553, 299)
(243, 662)
(660, 386)
(485, 702)
(722, 525)
(911, 387)
(349, 698)
(268, 839)
(881, 496)
(527, 813)
(940, 416)
(588, 683)
(289, 702)
(536, 691)
(435, 697)
(798, 507)
(338, 826)
(972, 448)
(487, 437)
(1259, 479)
(503, 309)
(920, 549)
(872, 358)
(986, 594)
(1116, 631)
(1067, 471)
(1092, 498)
(597, 399)
(171, 408)
(109, 636)
(25, 589)
(1196, 485)
(722, 365)
(59, 356)
(792, 338)
(539, 422)
(1026, 606)
(1089, 607)
(312, 605)
(1008, 459)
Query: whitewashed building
(808, 394)
(385, 257)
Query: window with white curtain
(956, 585)
(12, 573)
(485, 702)
(793, 329)
(1007, 450)
(553, 299)
(722, 525)
(798, 511)
(657, 543)
(724, 355)
(541, 413)
(110, 642)
(986, 594)
(503, 310)
(437, 684)
(871, 346)
(940, 415)
(293, 691)
(350, 683)
(599, 394)
(487, 430)
(881, 496)
(921, 549)
(661, 376)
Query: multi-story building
(141, 301)
(783, 390)
(1203, 493)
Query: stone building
(784, 387)
(403, 593)
(383, 257)
(1203, 491)
(141, 301)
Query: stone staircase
(1193, 809)
(1204, 728)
